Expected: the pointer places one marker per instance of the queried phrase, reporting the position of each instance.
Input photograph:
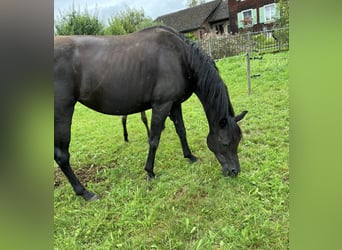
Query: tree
(78, 23)
(128, 21)
(283, 9)
(193, 3)
(281, 33)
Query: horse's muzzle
(228, 171)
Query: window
(270, 12)
(247, 17)
(247, 14)
(219, 29)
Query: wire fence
(231, 45)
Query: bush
(128, 21)
(79, 23)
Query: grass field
(188, 206)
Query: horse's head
(223, 141)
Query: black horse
(154, 68)
(143, 119)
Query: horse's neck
(211, 90)
(211, 110)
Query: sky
(107, 8)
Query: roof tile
(191, 18)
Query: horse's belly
(115, 103)
(121, 94)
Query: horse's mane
(210, 85)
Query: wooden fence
(231, 45)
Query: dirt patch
(180, 192)
(84, 174)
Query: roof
(192, 18)
(220, 13)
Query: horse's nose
(233, 172)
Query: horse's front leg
(159, 114)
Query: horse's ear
(240, 116)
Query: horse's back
(132, 70)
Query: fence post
(248, 64)
(248, 70)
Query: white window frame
(251, 16)
(249, 10)
(268, 14)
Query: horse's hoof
(150, 176)
(192, 158)
(88, 196)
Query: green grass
(188, 206)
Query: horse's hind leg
(63, 118)
(177, 118)
(124, 121)
(144, 120)
(159, 114)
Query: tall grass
(188, 206)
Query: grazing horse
(156, 68)
(144, 120)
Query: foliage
(230, 45)
(128, 21)
(76, 22)
(262, 39)
(193, 3)
(190, 36)
(284, 11)
(282, 34)
(224, 46)
(188, 206)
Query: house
(211, 17)
(252, 15)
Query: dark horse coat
(154, 68)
